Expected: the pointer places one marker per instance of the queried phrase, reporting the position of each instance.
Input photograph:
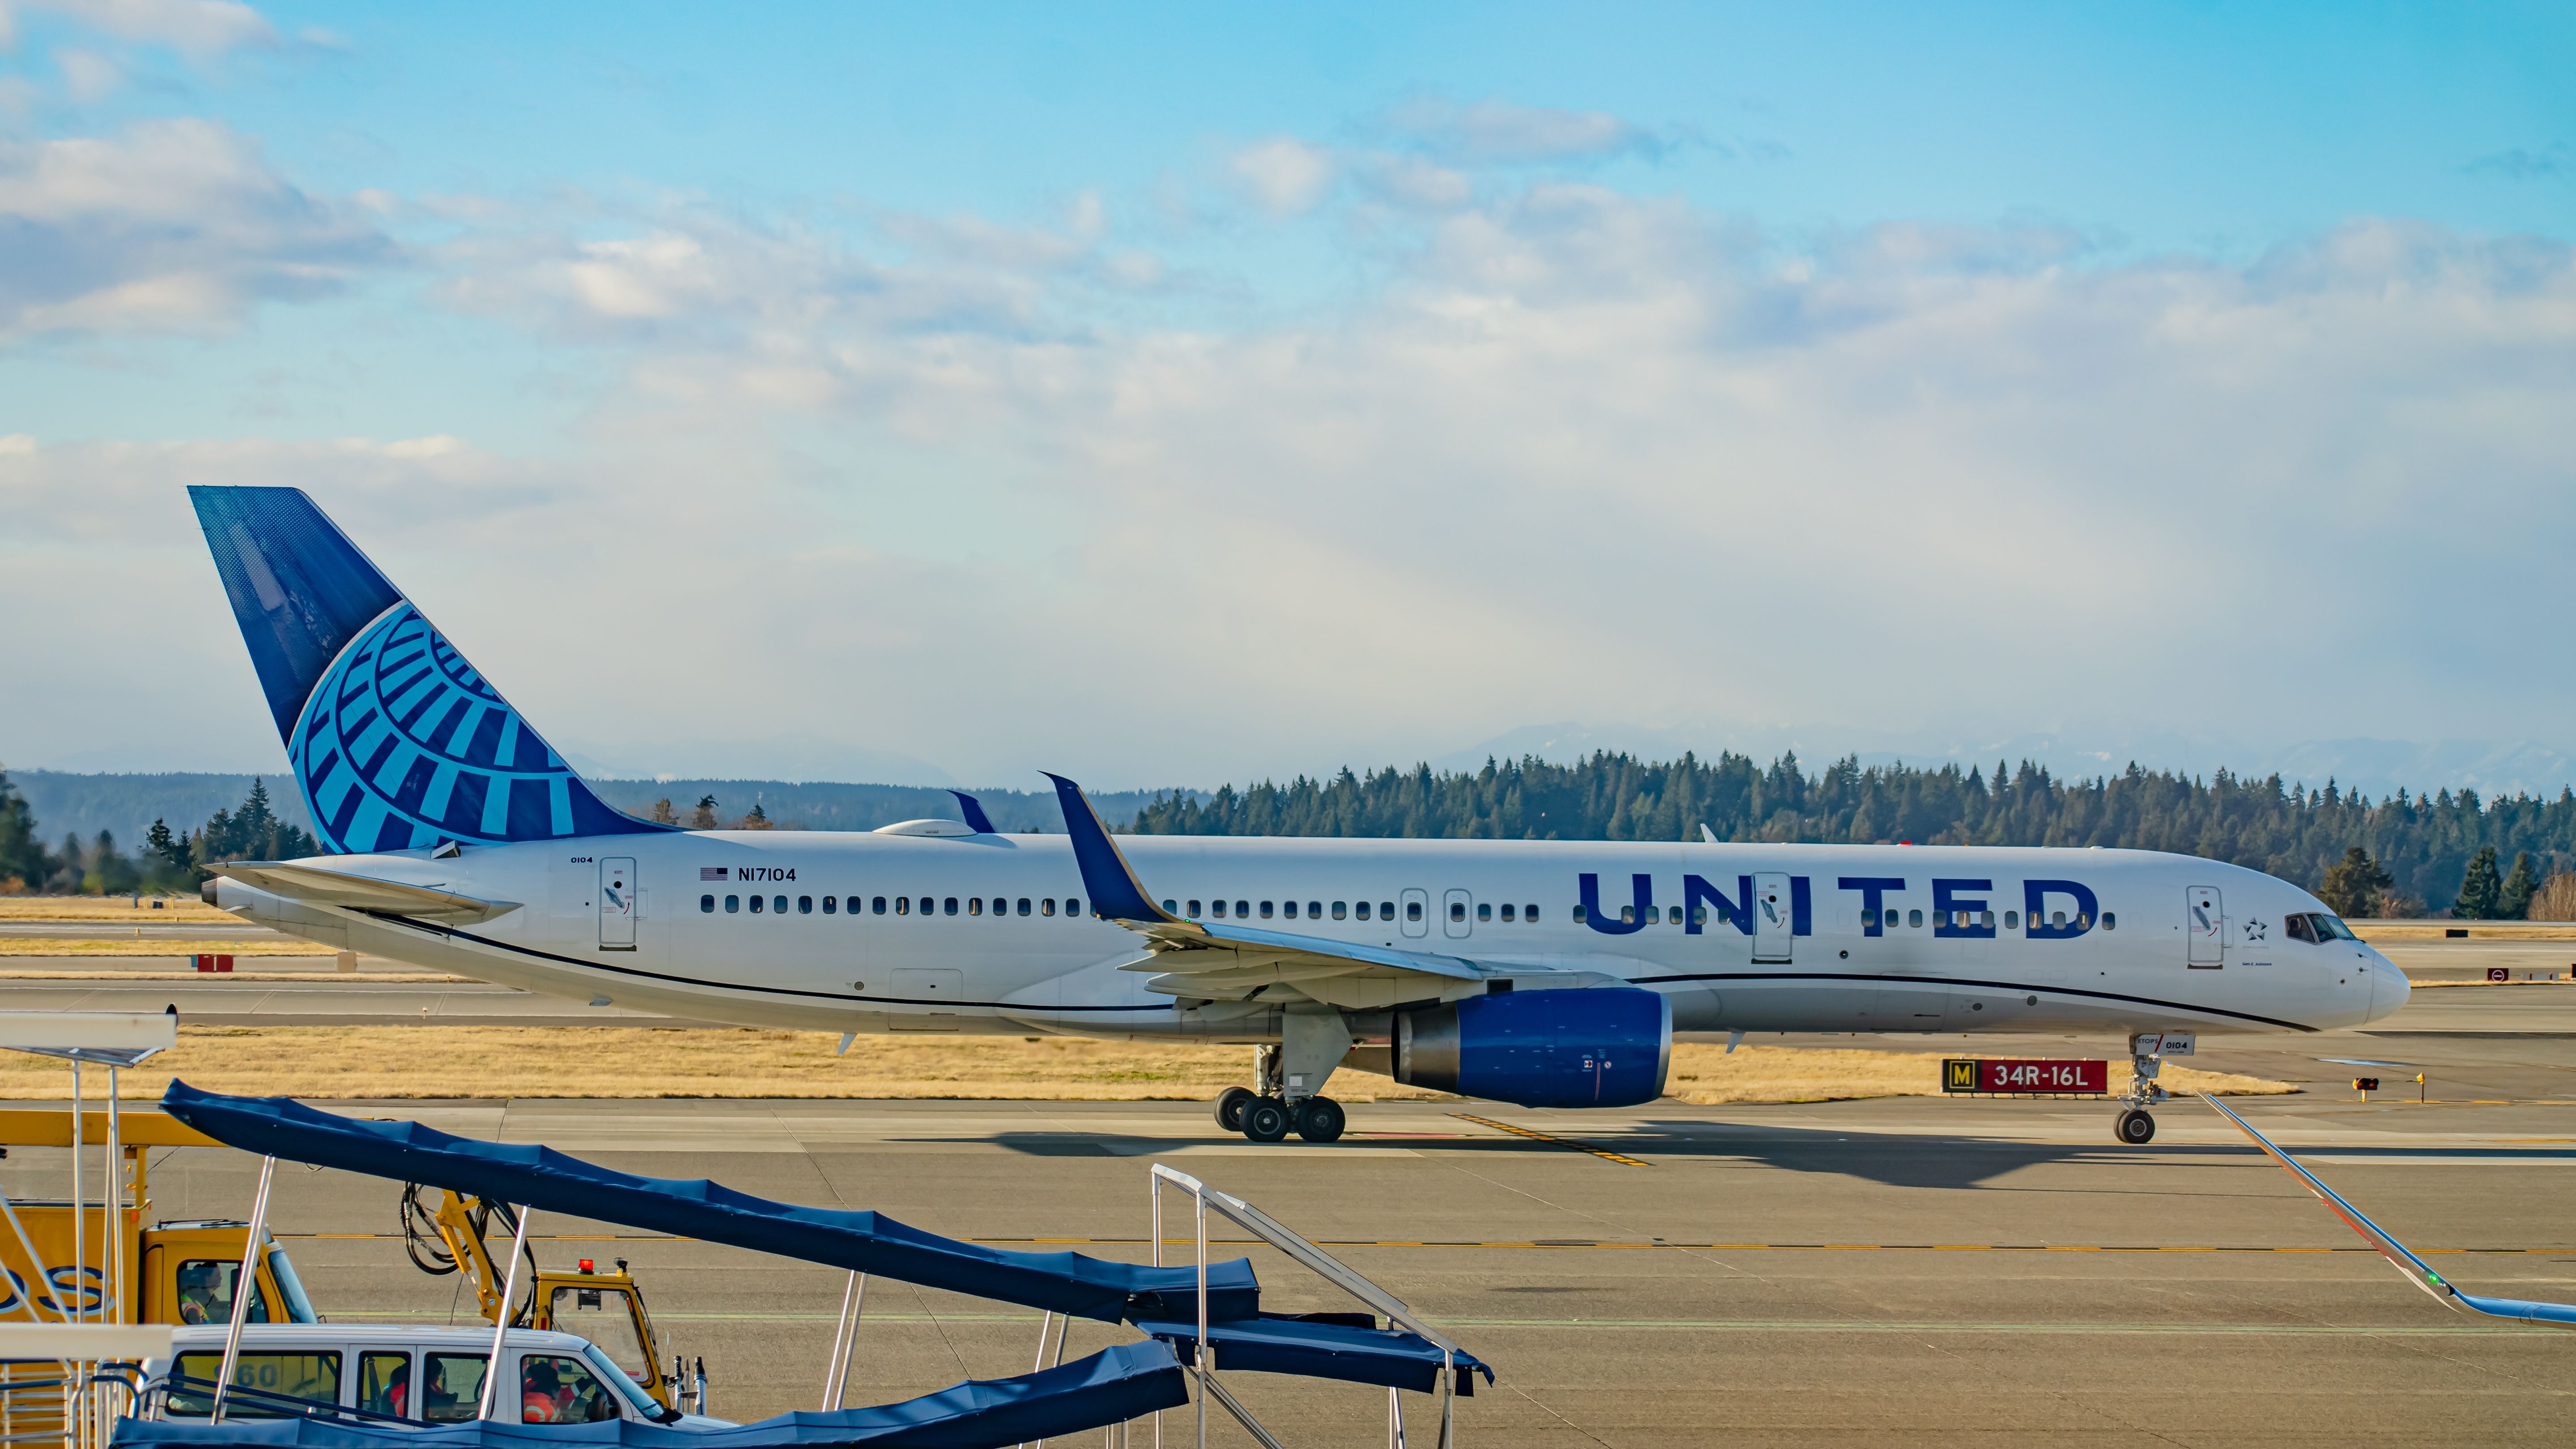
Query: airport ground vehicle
(170, 1272)
(607, 1309)
(406, 1374)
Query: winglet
(976, 819)
(1116, 894)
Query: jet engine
(1581, 1047)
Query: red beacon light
(588, 1267)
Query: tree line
(168, 860)
(2417, 854)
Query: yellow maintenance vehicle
(108, 1268)
(447, 1236)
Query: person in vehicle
(197, 1299)
(541, 1397)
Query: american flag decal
(711, 872)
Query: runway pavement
(1914, 1271)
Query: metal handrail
(1324, 1265)
(162, 1388)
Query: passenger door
(1773, 931)
(617, 903)
(2205, 927)
(1454, 911)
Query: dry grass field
(489, 1062)
(157, 946)
(107, 908)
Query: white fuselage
(1951, 943)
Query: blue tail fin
(396, 741)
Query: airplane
(1542, 973)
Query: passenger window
(310, 1376)
(1699, 915)
(1073, 905)
(831, 904)
(732, 904)
(2083, 921)
(1024, 905)
(2110, 921)
(1868, 917)
(930, 905)
(1194, 910)
(804, 905)
(2012, 920)
(876, 906)
(559, 1389)
(1628, 915)
(1578, 915)
(1986, 919)
(384, 1384)
(1674, 916)
(1337, 910)
(974, 905)
(1484, 912)
(903, 905)
(1363, 910)
(1265, 910)
(1242, 909)
(1291, 908)
(952, 904)
(1386, 910)
(1315, 910)
(2057, 920)
(1046, 907)
(707, 904)
(1507, 911)
(778, 904)
(1171, 908)
(854, 904)
(1529, 913)
(1220, 909)
(1457, 910)
(1914, 919)
(453, 1387)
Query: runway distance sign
(2006, 1075)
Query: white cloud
(173, 225)
(87, 75)
(1492, 132)
(1283, 174)
(200, 28)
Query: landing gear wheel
(1265, 1119)
(2136, 1128)
(1229, 1107)
(1322, 1120)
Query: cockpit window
(2298, 929)
(2330, 928)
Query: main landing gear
(1269, 1115)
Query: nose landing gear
(2135, 1126)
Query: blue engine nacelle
(1580, 1047)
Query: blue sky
(1785, 367)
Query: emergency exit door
(1773, 928)
(617, 903)
(2205, 926)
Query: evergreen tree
(2480, 888)
(2514, 901)
(2353, 886)
(663, 814)
(22, 852)
(705, 816)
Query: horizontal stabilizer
(314, 886)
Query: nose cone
(2388, 987)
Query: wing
(2417, 1271)
(1230, 963)
(317, 887)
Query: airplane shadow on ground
(1912, 1160)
